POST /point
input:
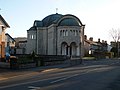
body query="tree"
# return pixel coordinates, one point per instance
(114, 50)
(115, 33)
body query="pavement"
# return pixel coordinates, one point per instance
(9, 73)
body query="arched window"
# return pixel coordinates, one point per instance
(70, 32)
(66, 32)
(61, 33)
(74, 32)
(32, 37)
(29, 36)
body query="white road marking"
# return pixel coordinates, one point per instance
(13, 85)
(47, 70)
(33, 88)
(64, 78)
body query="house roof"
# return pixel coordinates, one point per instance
(10, 37)
(90, 42)
(4, 22)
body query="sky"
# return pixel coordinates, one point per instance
(98, 16)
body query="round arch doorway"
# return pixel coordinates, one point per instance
(64, 48)
(73, 49)
(69, 50)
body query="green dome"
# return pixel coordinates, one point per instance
(69, 22)
(47, 21)
(60, 20)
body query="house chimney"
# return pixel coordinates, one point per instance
(106, 42)
(98, 39)
(103, 41)
(85, 37)
(91, 38)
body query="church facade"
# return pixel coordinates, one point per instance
(56, 34)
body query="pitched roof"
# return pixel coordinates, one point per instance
(90, 42)
(10, 37)
(4, 22)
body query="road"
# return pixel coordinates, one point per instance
(92, 75)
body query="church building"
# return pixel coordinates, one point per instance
(56, 34)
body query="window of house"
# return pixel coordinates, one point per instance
(12, 42)
(7, 44)
(70, 32)
(61, 33)
(32, 37)
(77, 32)
(74, 32)
(66, 32)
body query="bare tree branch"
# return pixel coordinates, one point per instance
(115, 34)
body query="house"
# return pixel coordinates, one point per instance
(95, 48)
(3, 26)
(9, 44)
(20, 45)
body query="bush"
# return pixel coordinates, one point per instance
(25, 59)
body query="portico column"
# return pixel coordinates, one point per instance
(78, 51)
(68, 50)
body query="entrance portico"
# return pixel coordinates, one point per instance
(71, 50)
